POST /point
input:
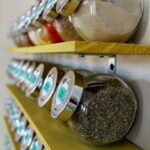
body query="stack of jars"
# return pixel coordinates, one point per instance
(100, 107)
(55, 21)
(20, 126)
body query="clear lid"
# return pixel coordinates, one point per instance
(48, 87)
(67, 7)
(50, 13)
(67, 97)
(36, 144)
(27, 138)
(36, 80)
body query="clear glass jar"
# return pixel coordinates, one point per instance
(99, 108)
(59, 25)
(49, 86)
(103, 20)
(28, 76)
(36, 144)
(22, 124)
(27, 138)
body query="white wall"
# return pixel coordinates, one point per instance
(134, 69)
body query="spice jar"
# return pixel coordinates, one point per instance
(49, 86)
(100, 108)
(22, 75)
(27, 138)
(18, 70)
(103, 20)
(36, 144)
(29, 72)
(36, 80)
(20, 129)
(59, 26)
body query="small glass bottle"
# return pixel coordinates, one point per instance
(101, 108)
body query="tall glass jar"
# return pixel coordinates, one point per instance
(100, 108)
(103, 20)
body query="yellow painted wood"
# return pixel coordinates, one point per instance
(54, 134)
(86, 47)
(16, 145)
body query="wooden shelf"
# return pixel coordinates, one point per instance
(86, 47)
(52, 133)
(16, 145)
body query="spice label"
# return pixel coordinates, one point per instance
(47, 87)
(34, 79)
(34, 146)
(27, 75)
(62, 94)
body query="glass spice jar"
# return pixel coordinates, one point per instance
(29, 72)
(100, 108)
(48, 88)
(36, 80)
(59, 25)
(22, 75)
(103, 20)
(27, 138)
(36, 144)
(22, 124)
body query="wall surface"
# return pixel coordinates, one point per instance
(134, 69)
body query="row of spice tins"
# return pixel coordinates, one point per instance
(55, 21)
(100, 108)
(23, 131)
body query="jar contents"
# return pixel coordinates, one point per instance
(65, 29)
(103, 20)
(101, 108)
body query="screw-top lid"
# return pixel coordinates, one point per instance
(20, 128)
(36, 144)
(48, 87)
(38, 20)
(67, 97)
(28, 75)
(22, 75)
(67, 7)
(36, 80)
(50, 13)
(27, 138)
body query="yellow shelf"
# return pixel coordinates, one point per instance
(16, 145)
(52, 133)
(87, 47)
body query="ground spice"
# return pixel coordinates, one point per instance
(105, 113)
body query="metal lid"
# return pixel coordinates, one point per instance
(67, 7)
(50, 13)
(27, 138)
(67, 97)
(48, 87)
(22, 75)
(20, 128)
(36, 80)
(36, 144)
(29, 17)
(18, 70)
(29, 72)
(38, 20)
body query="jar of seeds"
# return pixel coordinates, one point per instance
(103, 20)
(100, 108)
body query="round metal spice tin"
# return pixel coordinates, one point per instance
(36, 144)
